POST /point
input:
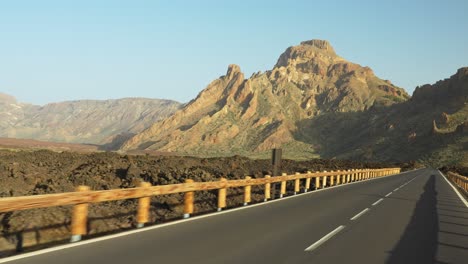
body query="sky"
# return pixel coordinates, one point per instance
(62, 50)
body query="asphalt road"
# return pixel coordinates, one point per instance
(414, 217)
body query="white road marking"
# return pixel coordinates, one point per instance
(127, 233)
(359, 214)
(377, 202)
(388, 194)
(396, 189)
(455, 189)
(404, 184)
(324, 239)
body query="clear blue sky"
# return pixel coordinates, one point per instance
(65, 50)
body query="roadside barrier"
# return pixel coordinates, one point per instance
(460, 180)
(83, 196)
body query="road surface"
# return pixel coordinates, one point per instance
(415, 217)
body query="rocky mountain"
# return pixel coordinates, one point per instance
(83, 121)
(431, 127)
(238, 115)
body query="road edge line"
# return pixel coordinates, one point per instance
(454, 189)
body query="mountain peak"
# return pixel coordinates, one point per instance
(233, 70)
(306, 51)
(318, 43)
(264, 111)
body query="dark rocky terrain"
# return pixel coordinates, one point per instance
(42, 172)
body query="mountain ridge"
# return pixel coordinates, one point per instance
(81, 121)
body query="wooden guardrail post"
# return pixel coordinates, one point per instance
(348, 176)
(79, 217)
(307, 183)
(338, 178)
(332, 179)
(283, 186)
(352, 175)
(143, 207)
(317, 182)
(222, 196)
(188, 201)
(297, 185)
(247, 190)
(324, 182)
(267, 189)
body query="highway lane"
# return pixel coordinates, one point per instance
(419, 218)
(423, 222)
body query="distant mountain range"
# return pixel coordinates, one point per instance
(313, 103)
(83, 121)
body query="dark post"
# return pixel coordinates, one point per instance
(276, 162)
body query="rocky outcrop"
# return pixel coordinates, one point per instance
(234, 115)
(452, 92)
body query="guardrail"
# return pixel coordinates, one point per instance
(460, 180)
(81, 198)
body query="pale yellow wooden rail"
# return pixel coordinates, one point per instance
(460, 180)
(83, 195)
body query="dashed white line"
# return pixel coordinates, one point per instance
(396, 189)
(359, 214)
(324, 239)
(388, 194)
(405, 183)
(378, 201)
